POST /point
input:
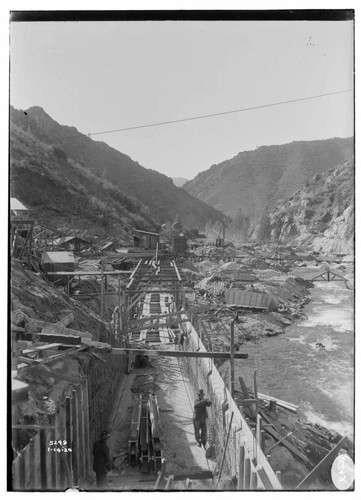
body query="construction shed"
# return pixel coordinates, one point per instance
(17, 208)
(179, 244)
(71, 243)
(53, 262)
(145, 239)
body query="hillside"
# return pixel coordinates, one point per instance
(320, 214)
(59, 169)
(253, 180)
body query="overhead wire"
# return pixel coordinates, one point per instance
(222, 113)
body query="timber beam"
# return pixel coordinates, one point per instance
(152, 353)
(49, 338)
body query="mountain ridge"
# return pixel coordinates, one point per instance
(252, 180)
(153, 190)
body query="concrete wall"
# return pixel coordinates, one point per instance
(204, 375)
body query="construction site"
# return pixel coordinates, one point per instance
(123, 340)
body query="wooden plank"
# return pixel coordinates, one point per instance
(231, 360)
(135, 301)
(288, 445)
(81, 432)
(252, 409)
(159, 478)
(32, 427)
(86, 428)
(49, 338)
(32, 482)
(28, 478)
(43, 460)
(75, 443)
(16, 473)
(37, 462)
(279, 442)
(253, 483)
(240, 479)
(152, 353)
(169, 483)
(53, 459)
(247, 474)
(69, 438)
(174, 315)
(308, 480)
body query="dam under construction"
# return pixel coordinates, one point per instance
(139, 381)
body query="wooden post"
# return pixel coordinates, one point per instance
(258, 429)
(263, 438)
(75, 442)
(22, 466)
(43, 455)
(247, 474)
(32, 484)
(273, 405)
(240, 482)
(28, 466)
(68, 433)
(53, 456)
(37, 461)
(101, 289)
(80, 395)
(60, 430)
(86, 429)
(231, 360)
(255, 391)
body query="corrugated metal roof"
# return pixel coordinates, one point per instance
(66, 239)
(57, 257)
(16, 205)
(248, 299)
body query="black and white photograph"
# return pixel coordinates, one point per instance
(181, 251)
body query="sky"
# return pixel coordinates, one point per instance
(100, 76)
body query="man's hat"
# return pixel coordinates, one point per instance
(104, 434)
(201, 392)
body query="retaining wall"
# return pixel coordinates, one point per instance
(204, 375)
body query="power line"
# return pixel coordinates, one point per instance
(201, 117)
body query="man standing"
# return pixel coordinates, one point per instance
(199, 418)
(101, 464)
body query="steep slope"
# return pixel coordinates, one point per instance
(156, 191)
(253, 180)
(321, 213)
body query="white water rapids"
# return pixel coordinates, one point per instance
(292, 368)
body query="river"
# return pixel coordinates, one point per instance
(292, 368)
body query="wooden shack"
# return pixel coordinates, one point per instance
(71, 243)
(53, 262)
(145, 239)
